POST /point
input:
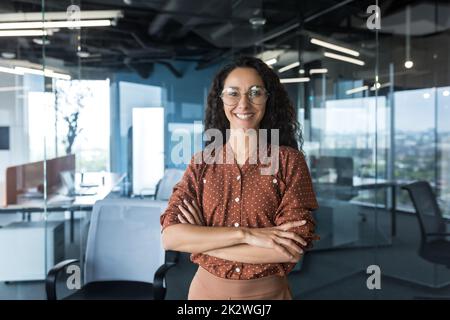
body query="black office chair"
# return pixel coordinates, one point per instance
(123, 253)
(434, 246)
(114, 290)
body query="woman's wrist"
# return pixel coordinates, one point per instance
(245, 234)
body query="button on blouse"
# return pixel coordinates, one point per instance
(240, 196)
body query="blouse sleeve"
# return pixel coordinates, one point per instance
(185, 189)
(298, 200)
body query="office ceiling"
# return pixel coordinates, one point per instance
(209, 31)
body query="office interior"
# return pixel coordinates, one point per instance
(97, 95)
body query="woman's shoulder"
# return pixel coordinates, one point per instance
(288, 153)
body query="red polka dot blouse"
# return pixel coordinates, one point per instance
(230, 195)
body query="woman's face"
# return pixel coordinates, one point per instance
(248, 85)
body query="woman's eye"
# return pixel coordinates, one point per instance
(255, 93)
(232, 93)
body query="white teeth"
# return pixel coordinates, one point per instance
(243, 116)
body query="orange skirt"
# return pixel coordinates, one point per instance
(206, 286)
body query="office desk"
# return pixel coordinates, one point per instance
(374, 184)
(359, 184)
(57, 203)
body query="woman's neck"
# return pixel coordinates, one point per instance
(243, 144)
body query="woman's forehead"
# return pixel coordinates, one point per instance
(243, 78)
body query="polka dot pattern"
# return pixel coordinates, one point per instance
(240, 196)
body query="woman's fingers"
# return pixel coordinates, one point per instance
(280, 248)
(194, 203)
(293, 236)
(182, 220)
(289, 225)
(187, 214)
(193, 212)
(289, 244)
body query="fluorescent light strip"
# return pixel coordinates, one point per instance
(344, 58)
(271, 61)
(317, 71)
(379, 86)
(334, 47)
(54, 24)
(10, 70)
(57, 75)
(23, 33)
(60, 15)
(289, 67)
(31, 71)
(47, 72)
(294, 80)
(356, 90)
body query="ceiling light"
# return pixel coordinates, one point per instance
(318, 71)
(334, 47)
(271, 61)
(257, 21)
(301, 71)
(356, 90)
(344, 58)
(57, 75)
(60, 15)
(83, 54)
(41, 41)
(47, 72)
(289, 67)
(446, 93)
(379, 86)
(22, 33)
(54, 24)
(8, 55)
(409, 64)
(10, 70)
(426, 95)
(294, 80)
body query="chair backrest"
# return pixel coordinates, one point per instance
(427, 209)
(165, 186)
(124, 240)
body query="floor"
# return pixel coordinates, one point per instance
(328, 273)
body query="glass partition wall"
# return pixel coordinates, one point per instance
(369, 80)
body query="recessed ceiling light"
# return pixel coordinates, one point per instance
(41, 41)
(8, 55)
(83, 54)
(446, 93)
(257, 21)
(271, 61)
(426, 95)
(409, 64)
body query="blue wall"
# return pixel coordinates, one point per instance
(183, 99)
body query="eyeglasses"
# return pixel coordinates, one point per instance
(256, 95)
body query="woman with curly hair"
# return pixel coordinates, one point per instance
(245, 229)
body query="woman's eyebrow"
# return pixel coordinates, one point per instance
(237, 88)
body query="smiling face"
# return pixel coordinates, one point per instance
(244, 114)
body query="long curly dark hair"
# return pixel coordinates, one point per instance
(279, 114)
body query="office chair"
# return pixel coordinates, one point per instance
(124, 254)
(434, 246)
(165, 186)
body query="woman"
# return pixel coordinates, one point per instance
(245, 230)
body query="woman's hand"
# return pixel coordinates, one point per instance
(191, 213)
(278, 238)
